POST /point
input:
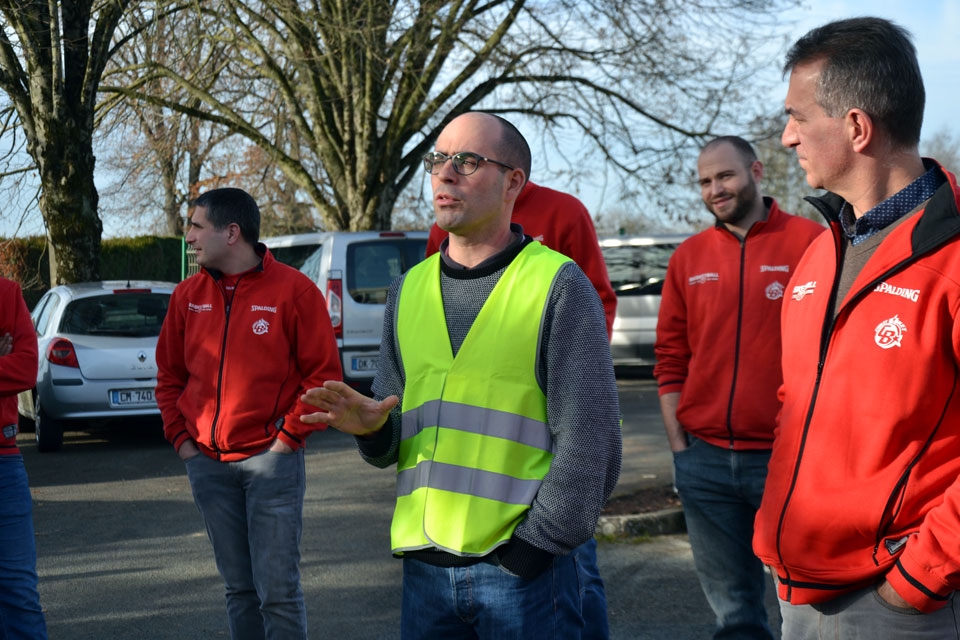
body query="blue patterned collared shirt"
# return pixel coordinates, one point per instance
(892, 209)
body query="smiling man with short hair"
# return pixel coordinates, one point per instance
(718, 369)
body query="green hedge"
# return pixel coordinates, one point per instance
(26, 261)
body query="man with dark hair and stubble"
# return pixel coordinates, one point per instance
(718, 370)
(861, 513)
(242, 340)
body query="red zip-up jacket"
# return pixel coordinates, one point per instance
(864, 477)
(231, 379)
(718, 331)
(561, 222)
(18, 369)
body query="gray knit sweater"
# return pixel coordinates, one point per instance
(576, 374)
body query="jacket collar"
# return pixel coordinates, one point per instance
(773, 219)
(939, 221)
(266, 258)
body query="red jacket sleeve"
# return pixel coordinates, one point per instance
(317, 357)
(172, 372)
(18, 369)
(672, 348)
(580, 243)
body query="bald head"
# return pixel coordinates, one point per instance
(508, 144)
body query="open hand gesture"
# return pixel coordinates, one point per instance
(346, 409)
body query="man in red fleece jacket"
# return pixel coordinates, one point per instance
(861, 513)
(241, 341)
(718, 369)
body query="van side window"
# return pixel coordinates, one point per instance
(373, 266)
(294, 256)
(311, 266)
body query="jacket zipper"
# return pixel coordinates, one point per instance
(824, 341)
(227, 305)
(737, 341)
(834, 225)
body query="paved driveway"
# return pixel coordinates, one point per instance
(123, 555)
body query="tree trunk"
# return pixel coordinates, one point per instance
(69, 206)
(173, 222)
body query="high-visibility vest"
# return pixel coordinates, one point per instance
(474, 444)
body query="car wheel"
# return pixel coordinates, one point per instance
(24, 423)
(49, 431)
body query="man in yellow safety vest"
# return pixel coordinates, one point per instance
(496, 399)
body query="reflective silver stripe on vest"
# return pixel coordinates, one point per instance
(473, 482)
(489, 422)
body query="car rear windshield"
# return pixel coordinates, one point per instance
(372, 266)
(638, 270)
(124, 314)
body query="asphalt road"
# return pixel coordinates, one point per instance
(123, 555)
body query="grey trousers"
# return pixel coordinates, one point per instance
(863, 615)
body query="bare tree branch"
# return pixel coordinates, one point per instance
(367, 85)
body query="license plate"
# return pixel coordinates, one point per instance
(128, 397)
(366, 364)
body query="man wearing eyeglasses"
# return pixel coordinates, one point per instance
(560, 221)
(496, 399)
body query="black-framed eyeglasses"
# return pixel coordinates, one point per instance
(464, 163)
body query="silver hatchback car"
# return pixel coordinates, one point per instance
(97, 343)
(637, 266)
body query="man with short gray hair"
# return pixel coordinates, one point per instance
(861, 513)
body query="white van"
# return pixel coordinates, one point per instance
(353, 269)
(637, 266)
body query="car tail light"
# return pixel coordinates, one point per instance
(61, 352)
(335, 305)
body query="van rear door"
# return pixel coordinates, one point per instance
(371, 265)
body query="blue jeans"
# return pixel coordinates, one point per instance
(20, 612)
(864, 614)
(720, 490)
(488, 602)
(595, 623)
(253, 512)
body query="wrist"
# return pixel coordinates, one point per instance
(523, 559)
(280, 446)
(891, 597)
